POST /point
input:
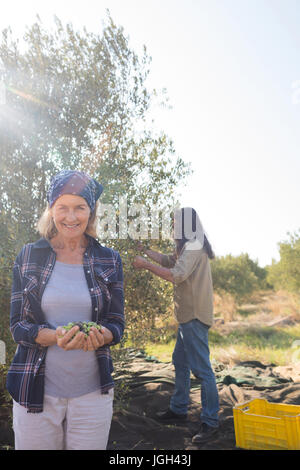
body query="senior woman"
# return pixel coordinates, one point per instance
(60, 380)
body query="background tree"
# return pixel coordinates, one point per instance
(79, 101)
(286, 273)
(238, 276)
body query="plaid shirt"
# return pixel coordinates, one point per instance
(31, 272)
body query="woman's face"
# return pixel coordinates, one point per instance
(71, 215)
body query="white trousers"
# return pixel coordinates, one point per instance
(81, 423)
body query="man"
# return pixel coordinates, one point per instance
(189, 270)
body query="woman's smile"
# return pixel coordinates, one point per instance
(70, 226)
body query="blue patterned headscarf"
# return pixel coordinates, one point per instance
(74, 182)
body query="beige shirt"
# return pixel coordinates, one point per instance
(193, 287)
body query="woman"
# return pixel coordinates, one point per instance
(60, 380)
(189, 270)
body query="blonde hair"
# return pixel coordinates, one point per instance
(47, 229)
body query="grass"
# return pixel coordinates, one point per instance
(163, 351)
(248, 338)
(265, 344)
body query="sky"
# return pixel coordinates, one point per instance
(231, 69)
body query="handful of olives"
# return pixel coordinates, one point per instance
(83, 326)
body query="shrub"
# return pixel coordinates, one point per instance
(285, 274)
(237, 275)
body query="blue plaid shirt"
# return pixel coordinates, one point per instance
(31, 272)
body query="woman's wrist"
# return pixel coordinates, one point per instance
(108, 336)
(46, 337)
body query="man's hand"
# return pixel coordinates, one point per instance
(140, 247)
(141, 263)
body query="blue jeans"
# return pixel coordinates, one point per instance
(191, 353)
